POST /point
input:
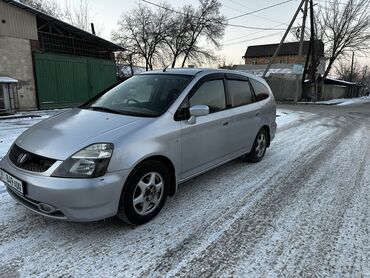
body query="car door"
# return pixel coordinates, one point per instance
(205, 143)
(245, 115)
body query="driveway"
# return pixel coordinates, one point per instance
(304, 210)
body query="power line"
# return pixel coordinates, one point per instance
(227, 24)
(262, 9)
(251, 34)
(253, 39)
(255, 15)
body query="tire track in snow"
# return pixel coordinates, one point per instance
(240, 238)
(183, 254)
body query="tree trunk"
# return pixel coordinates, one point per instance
(185, 58)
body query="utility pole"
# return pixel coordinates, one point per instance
(313, 50)
(300, 51)
(352, 64)
(303, 28)
(283, 39)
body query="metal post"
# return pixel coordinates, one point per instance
(283, 39)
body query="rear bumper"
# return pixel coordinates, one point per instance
(74, 199)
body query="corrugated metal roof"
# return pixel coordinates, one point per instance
(73, 29)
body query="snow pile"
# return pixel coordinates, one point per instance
(345, 101)
(285, 117)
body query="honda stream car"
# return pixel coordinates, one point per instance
(124, 151)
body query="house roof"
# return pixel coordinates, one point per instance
(69, 27)
(290, 48)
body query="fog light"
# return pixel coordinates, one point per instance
(45, 208)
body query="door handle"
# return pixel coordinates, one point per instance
(225, 123)
(257, 114)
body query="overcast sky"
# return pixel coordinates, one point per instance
(106, 14)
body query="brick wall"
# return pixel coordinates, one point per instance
(287, 59)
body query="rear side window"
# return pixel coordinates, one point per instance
(260, 89)
(211, 93)
(240, 92)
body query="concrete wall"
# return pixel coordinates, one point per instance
(333, 92)
(16, 62)
(285, 87)
(17, 23)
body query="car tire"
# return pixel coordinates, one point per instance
(259, 147)
(144, 193)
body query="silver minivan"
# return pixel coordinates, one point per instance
(124, 151)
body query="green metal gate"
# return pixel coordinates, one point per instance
(67, 81)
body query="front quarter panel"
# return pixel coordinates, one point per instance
(160, 137)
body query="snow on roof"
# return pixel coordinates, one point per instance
(7, 80)
(340, 81)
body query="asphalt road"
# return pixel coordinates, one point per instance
(302, 211)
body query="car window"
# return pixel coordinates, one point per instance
(211, 93)
(260, 89)
(142, 95)
(240, 92)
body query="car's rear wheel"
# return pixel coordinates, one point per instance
(144, 193)
(259, 146)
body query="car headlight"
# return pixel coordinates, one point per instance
(90, 162)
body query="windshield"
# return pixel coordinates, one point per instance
(142, 95)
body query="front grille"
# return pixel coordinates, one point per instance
(32, 162)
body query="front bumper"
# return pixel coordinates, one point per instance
(77, 200)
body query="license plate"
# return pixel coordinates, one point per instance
(11, 181)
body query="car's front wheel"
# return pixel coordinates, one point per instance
(144, 193)
(259, 146)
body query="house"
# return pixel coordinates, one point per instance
(56, 64)
(286, 71)
(288, 54)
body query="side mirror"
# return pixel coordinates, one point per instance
(262, 97)
(197, 111)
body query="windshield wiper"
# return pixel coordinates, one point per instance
(104, 109)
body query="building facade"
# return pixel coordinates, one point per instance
(56, 64)
(288, 54)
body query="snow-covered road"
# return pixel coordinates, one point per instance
(302, 211)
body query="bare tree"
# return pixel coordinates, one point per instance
(208, 23)
(178, 33)
(164, 36)
(343, 27)
(142, 31)
(78, 13)
(49, 7)
(358, 73)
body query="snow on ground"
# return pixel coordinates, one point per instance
(285, 117)
(302, 211)
(341, 101)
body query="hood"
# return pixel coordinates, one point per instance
(62, 135)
